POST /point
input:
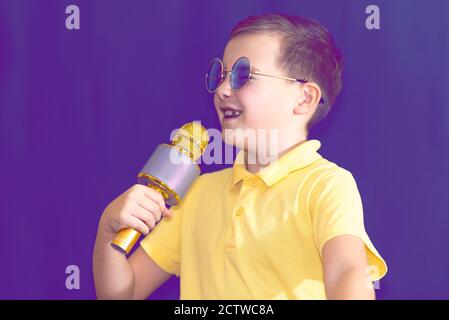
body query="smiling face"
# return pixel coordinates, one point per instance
(264, 102)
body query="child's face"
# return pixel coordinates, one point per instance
(266, 102)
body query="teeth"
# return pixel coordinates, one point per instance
(232, 113)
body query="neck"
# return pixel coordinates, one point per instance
(256, 165)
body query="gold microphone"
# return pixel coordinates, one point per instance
(171, 170)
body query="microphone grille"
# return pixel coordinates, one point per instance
(191, 139)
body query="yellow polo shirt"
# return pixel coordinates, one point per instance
(239, 235)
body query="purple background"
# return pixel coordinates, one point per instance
(82, 110)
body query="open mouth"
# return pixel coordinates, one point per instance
(229, 113)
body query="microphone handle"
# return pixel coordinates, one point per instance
(126, 238)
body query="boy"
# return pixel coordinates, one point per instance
(291, 228)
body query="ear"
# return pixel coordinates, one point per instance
(308, 98)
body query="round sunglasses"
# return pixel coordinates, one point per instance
(240, 73)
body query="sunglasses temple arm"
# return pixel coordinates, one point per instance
(286, 78)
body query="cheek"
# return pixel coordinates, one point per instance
(263, 109)
(216, 102)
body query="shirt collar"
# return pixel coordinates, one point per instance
(299, 157)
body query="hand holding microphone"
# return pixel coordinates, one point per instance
(164, 179)
(139, 207)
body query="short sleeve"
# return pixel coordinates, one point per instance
(163, 243)
(336, 209)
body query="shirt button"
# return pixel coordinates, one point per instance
(239, 211)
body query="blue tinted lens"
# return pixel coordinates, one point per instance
(240, 73)
(214, 75)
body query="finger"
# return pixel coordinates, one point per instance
(167, 213)
(151, 206)
(144, 215)
(136, 224)
(155, 196)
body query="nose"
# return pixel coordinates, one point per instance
(225, 90)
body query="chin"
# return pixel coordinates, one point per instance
(237, 138)
(227, 137)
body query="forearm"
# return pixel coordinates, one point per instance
(352, 284)
(113, 275)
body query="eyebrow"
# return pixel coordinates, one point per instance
(253, 68)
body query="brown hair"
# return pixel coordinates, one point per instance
(308, 52)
